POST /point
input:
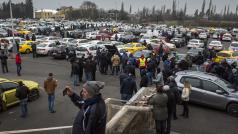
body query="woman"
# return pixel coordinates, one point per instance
(185, 98)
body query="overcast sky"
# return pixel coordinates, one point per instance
(136, 4)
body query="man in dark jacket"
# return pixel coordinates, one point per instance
(199, 60)
(74, 73)
(88, 68)
(144, 79)
(22, 94)
(94, 69)
(3, 58)
(160, 111)
(128, 87)
(34, 50)
(91, 119)
(174, 88)
(81, 65)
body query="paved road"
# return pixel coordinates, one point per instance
(202, 120)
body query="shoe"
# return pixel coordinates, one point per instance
(53, 111)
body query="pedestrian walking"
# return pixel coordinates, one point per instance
(34, 54)
(74, 73)
(160, 112)
(144, 79)
(128, 87)
(92, 116)
(50, 85)
(142, 62)
(94, 68)
(185, 98)
(81, 65)
(18, 63)
(159, 78)
(88, 68)
(22, 93)
(174, 88)
(3, 58)
(115, 64)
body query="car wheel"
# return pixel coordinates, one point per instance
(232, 109)
(27, 51)
(34, 94)
(3, 106)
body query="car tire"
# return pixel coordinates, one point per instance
(3, 106)
(27, 51)
(232, 109)
(34, 94)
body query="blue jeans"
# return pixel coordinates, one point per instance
(75, 79)
(126, 97)
(18, 69)
(51, 101)
(23, 104)
(150, 76)
(88, 76)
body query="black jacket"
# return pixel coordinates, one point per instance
(3, 59)
(75, 68)
(22, 92)
(128, 86)
(91, 119)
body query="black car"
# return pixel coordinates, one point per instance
(179, 42)
(63, 52)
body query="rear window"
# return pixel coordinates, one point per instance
(223, 54)
(234, 44)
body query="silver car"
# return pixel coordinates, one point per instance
(209, 90)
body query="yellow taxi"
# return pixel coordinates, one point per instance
(228, 55)
(133, 47)
(24, 31)
(25, 47)
(8, 92)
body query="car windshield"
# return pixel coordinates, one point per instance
(128, 45)
(223, 54)
(193, 41)
(225, 83)
(234, 44)
(215, 43)
(41, 45)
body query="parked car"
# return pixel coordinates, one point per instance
(91, 35)
(227, 37)
(45, 48)
(3, 33)
(8, 92)
(133, 47)
(86, 50)
(26, 47)
(195, 43)
(202, 36)
(229, 56)
(59, 52)
(193, 52)
(234, 46)
(207, 89)
(179, 42)
(216, 45)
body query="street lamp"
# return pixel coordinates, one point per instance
(14, 49)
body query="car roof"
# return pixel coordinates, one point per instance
(198, 74)
(225, 51)
(3, 80)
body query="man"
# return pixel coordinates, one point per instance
(18, 63)
(75, 72)
(3, 58)
(22, 93)
(144, 79)
(33, 37)
(81, 65)
(159, 78)
(50, 85)
(115, 64)
(91, 119)
(34, 50)
(160, 112)
(88, 68)
(142, 63)
(199, 61)
(128, 87)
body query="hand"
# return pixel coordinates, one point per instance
(69, 91)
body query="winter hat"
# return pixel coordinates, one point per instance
(93, 87)
(165, 87)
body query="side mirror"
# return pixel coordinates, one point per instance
(219, 92)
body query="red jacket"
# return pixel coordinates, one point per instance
(18, 59)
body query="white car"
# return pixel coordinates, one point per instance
(66, 40)
(86, 50)
(234, 46)
(78, 42)
(227, 37)
(45, 48)
(19, 40)
(202, 35)
(51, 38)
(91, 35)
(195, 43)
(216, 45)
(215, 35)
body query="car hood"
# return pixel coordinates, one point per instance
(29, 84)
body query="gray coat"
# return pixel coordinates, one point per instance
(159, 102)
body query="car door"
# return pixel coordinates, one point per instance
(196, 92)
(210, 96)
(9, 91)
